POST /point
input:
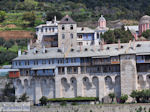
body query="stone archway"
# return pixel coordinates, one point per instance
(95, 81)
(117, 86)
(44, 89)
(148, 80)
(19, 88)
(87, 91)
(73, 83)
(51, 88)
(141, 83)
(26, 87)
(109, 86)
(32, 89)
(65, 87)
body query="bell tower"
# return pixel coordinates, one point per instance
(67, 32)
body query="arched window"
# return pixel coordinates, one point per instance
(63, 36)
(63, 27)
(71, 27)
(71, 35)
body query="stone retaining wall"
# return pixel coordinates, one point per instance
(95, 108)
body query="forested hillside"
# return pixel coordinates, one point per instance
(83, 9)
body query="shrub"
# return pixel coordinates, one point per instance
(74, 99)
(123, 98)
(63, 103)
(23, 98)
(112, 96)
(43, 100)
(141, 96)
(74, 103)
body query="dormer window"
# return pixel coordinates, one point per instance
(66, 19)
(138, 45)
(63, 27)
(71, 27)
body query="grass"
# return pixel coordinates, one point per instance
(16, 19)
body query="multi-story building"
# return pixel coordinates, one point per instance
(59, 33)
(87, 71)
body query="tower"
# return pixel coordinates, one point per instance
(67, 32)
(102, 22)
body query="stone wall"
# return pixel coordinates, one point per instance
(94, 108)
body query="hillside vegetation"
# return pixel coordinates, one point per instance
(80, 10)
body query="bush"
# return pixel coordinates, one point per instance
(141, 96)
(2, 41)
(23, 98)
(73, 99)
(112, 96)
(63, 103)
(74, 103)
(43, 100)
(2, 16)
(123, 98)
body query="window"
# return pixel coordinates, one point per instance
(53, 29)
(52, 61)
(49, 29)
(80, 36)
(26, 62)
(49, 61)
(63, 36)
(43, 71)
(80, 43)
(19, 63)
(41, 30)
(45, 29)
(63, 27)
(36, 62)
(71, 27)
(43, 61)
(71, 35)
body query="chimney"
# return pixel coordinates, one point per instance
(102, 44)
(44, 50)
(19, 52)
(134, 44)
(34, 50)
(55, 19)
(28, 46)
(119, 44)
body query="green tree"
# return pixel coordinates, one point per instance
(8, 93)
(2, 16)
(136, 95)
(29, 18)
(112, 96)
(2, 41)
(146, 34)
(50, 15)
(8, 44)
(43, 100)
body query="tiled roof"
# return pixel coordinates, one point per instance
(89, 51)
(67, 20)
